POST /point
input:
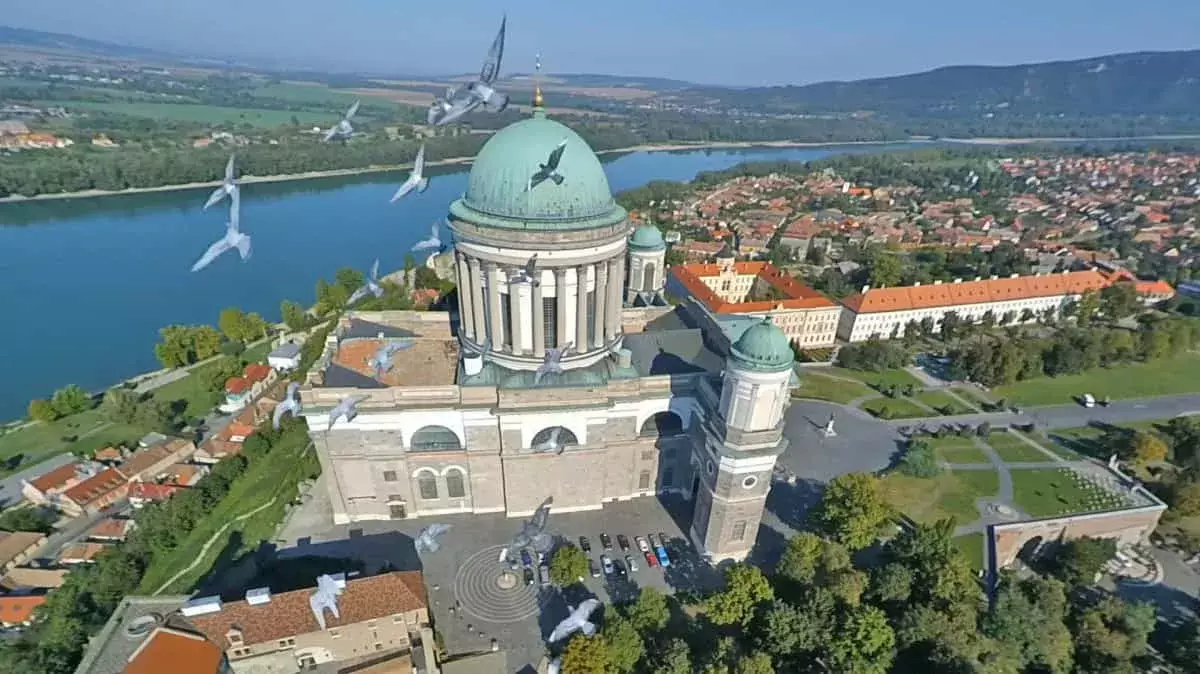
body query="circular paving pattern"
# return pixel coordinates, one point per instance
(487, 591)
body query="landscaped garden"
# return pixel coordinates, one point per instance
(1047, 492)
(879, 379)
(943, 402)
(894, 408)
(815, 385)
(957, 449)
(1013, 449)
(949, 494)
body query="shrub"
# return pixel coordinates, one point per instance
(919, 460)
(42, 410)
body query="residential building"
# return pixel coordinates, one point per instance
(142, 493)
(111, 530)
(176, 651)
(17, 610)
(240, 391)
(268, 633)
(45, 488)
(130, 626)
(17, 546)
(285, 357)
(80, 553)
(807, 318)
(94, 494)
(152, 463)
(24, 579)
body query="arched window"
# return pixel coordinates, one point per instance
(553, 439)
(661, 425)
(648, 277)
(427, 486)
(454, 484)
(434, 438)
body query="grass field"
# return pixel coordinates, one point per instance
(877, 379)
(203, 114)
(305, 93)
(971, 546)
(1180, 374)
(895, 408)
(1085, 440)
(193, 390)
(943, 403)
(955, 449)
(814, 385)
(1060, 491)
(951, 494)
(1013, 449)
(972, 395)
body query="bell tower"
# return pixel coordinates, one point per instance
(739, 443)
(647, 262)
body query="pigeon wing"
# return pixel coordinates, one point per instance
(331, 133)
(491, 67)
(277, 415)
(403, 190)
(357, 295)
(212, 253)
(216, 196)
(353, 109)
(243, 246)
(375, 270)
(229, 170)
(419, 162)
(556, 155)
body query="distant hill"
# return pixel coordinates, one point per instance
(1165, 83)
(40, 41)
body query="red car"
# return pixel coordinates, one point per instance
(651, 560)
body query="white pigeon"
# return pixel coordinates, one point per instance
(343, 129)
(347, 408)
(528, 274)
(427, 540)
(232, 239)
(552, 442)
(370, 286)
(290, 403)
(416, 178)
(227, 187)
(576, 621)
(434, 240)
(551, 362)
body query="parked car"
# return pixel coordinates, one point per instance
(528, 576)
(606, 562)
(618, 568)
(663, 559)
(1087, 400)
(605, 541)
(631, 563)
(544, 573)
(593, 569)
(642, 544)
(526, 559)
(585, 544)
(651, 560)
(623, 541)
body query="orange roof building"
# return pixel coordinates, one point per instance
(807, 317)
(18, 610)
(94, 493)
(176, 651)
(884, 312)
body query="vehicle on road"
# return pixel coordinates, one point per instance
(642, 544)
(528, 576)
(663, 559)
(623, 542)
(618, 568)
(585, 544)
(651, 560)
(607, 563)
(631, 563)
(605, 541)
(1087, 400)
(526, 559)
(593, 569)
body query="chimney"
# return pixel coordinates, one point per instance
(201, 606)
(865, 289)
(958, 280)
(916, 284)
(1013, 275)
(258, 596)
(994, 277)
(937, 283)
(978, 278)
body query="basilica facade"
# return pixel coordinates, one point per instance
(463, 424)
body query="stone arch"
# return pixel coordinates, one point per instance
(648, 269)
(426, 484)
(456, 482)
(565, 438)
(434, 438)
(662, 424)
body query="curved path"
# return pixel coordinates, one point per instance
(477, 585)
(209, 543)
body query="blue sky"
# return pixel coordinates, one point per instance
(747, 42)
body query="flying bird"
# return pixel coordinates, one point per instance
(533, 532)
(227, 187)
(347, 408)
(232, 239)
(370, 286)
(434, 240)
(416, 178)
(459, 101)
(576, 621)
(290, 403)
(551, 362)
(553, 442)
(427, 540)
(343, 130)
(549, 170)
(527, 275)
(381, 362)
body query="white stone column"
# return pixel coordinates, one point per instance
(466, 315)
(601, 298)
(581, 329)
(516, 310)
(616, 271)
(560, 297)
(497, 322)
(475, 292)
(539, 318)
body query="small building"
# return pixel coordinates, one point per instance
(285, 357)
(150, 464)
(17, 611)
(80, 553)
(141, 493)
(240, 391)
(176, 651)
(111, 530)
(95, 493)
(24, 579)
(45, 488)
(16, 547)
(110, 455)
(185, 474)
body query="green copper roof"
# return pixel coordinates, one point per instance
(498, 193)
(763, 347)
(647, 237)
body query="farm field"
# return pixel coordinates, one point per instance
(204, 114)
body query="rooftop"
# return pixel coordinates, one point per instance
(428, 362)
(96, 487)
(143, 460)
(56, 478)
(795, 295)
(175, 651)
(80, 552)
(127, 629)
(13, 543)
(288, 350)
(25, 578)
(876, 300)
(17, 610)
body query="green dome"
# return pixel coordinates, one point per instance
(647, 237)
(763, 347)
(498, 193)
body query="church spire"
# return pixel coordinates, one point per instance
(538, 103)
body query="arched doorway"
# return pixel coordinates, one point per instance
(433, 439)
(648, 277)
(662, 425)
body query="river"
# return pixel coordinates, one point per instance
(88, 282)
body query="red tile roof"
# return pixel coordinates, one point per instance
(878, 300)
(148, 491)
(289, 614)
(175, 651)
(113, 529)
(236, 386)
(256, 372)
(798, 295)
(96, 487)
(56, 478)
(19, 609)
(143, 460)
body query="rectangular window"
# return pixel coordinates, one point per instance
(398, 619)
(550, 322)
(506, 320)
(739, 531)
(389, 476)
(648, 455)
(644, 480)
(371, 624)
(668, 477)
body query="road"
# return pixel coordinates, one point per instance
(1074, 415)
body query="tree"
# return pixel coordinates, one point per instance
(745, 588)
(120, 405)
(154, 415)
(919, 460)
(649, 613)
(673, 657)
(349, 279)
(27, 519)
(1145, 448)
(1028, 617)
(426, 278)
(754, 663)
(70, 400)
(1087, 307)
(884, 269)
(586, 655)
(625, 646)
(294, 315)
(1110, 634)
(1119, 300)
(42, 410)
(852, 511)
(568, 565)
(1078, 561)
(182, 345)
(1185, 498)
(232, 324)
(864, 643)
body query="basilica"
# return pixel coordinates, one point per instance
(647, 402)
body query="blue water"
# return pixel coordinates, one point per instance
(85, 284)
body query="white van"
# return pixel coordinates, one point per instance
(1087, 400)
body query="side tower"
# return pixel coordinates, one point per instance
(737, 445)
(647, 262)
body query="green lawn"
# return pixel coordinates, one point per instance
(950, 494)
(1046, 492)
(897, 377)
(943, 403)
(1013, 449)
(973, 396)
(305, 93)
(1072, 443)
(204, 114)
(972, 547)
(1180, 374)
(955, 449)
(22, 448)
(814, 385)
(192, 391)
(895, 408)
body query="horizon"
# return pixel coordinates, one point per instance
(669, 42)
